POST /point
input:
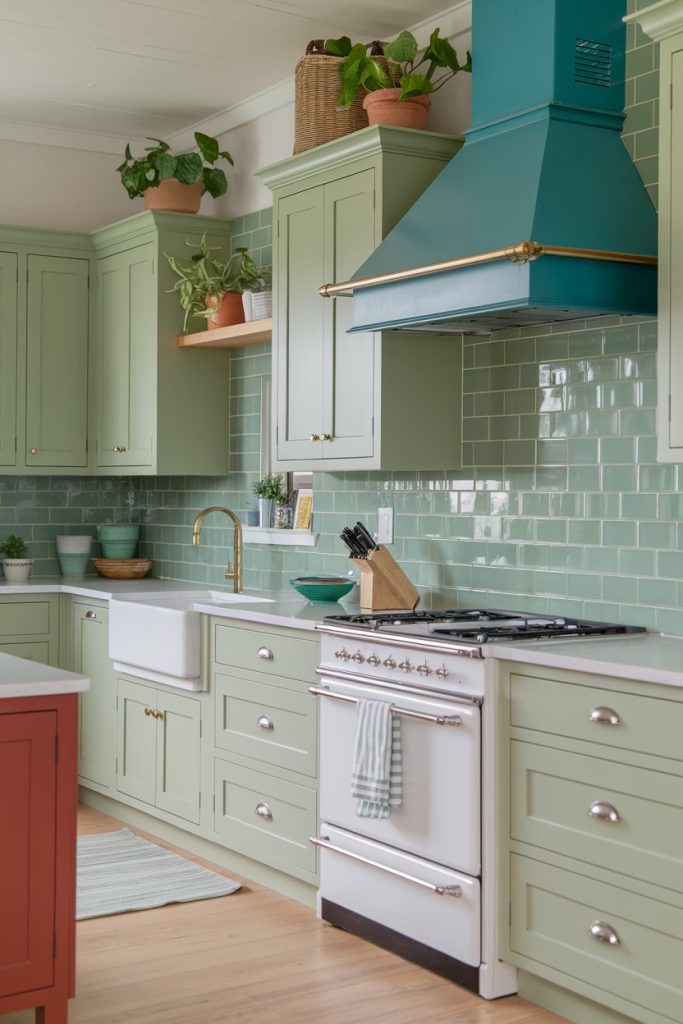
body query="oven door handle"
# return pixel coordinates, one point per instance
(454, 720)
(439, 890)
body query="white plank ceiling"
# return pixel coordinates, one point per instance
(137, 68)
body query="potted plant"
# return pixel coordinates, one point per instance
(258, 300)
(397, 85)
(16, 565)
(177, 183)
(211, 287)
(269, 490)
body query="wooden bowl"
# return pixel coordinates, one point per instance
(123, 568)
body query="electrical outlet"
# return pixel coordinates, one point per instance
(385, 525)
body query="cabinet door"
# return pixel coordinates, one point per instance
(8, 358)
(670, 357)
(27, 851)
(57, 361)
(301, 316)
(97, 706)
(177, 771)
(125, 364)
(349, 359)
(136, 741)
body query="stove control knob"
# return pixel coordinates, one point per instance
(442, 672)
(405, 666)
(373, 660)
(358, 658)
(389, 663)
(424, 670)
(343, 653)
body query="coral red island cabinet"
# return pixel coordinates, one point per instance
(38, 799)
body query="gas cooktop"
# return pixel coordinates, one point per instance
(477, 626)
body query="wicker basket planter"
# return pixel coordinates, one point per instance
(316, 90)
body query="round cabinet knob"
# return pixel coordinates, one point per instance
(373, 660)
(265, 653)
(604, 716)
(358, 658)
(602, 932)
(264, 722)
(119, 448)
(442, 672)
(33, 451)
(389, 663)
(90, 614)
(264, 811)
(405, 666)
(424, 670)
(604, 811)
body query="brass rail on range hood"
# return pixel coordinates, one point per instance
(524, 252)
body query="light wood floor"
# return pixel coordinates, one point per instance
(258, 958)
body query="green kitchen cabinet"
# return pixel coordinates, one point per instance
(265, 758)
(354, 401)
(591, 842)
(158, 748)
(663, 22)
(97, 706)
(29, 626)
(44, 324)
(157, 408)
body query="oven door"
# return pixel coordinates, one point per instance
(439, 818)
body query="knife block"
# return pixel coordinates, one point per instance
(383, 584)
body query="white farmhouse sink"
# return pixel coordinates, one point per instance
(157, 637)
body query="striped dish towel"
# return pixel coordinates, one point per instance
(377, 774)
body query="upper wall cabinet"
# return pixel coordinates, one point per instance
(354, 401)
(157, 408)
(663, 22)
(44, 328)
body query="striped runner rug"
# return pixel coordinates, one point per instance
(121, 871)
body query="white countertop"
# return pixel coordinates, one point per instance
(643, 657)
(22, 678)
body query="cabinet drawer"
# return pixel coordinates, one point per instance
(648, 725)
(25, 618)
(273, 653)
(267, 722)
(553, 792)
(31, 651)
(552, 914)
(267, 818)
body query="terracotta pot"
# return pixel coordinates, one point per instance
(174, 196)
(227, 310)
(382, 107)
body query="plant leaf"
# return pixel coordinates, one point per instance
(207, 146)
(350, 72)
(226, 156)
(403, 49)
(166, 165)
(415, 85)
(189, 168)
(338, 47)
(441, 53)
(215, 182)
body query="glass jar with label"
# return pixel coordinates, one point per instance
(282, 519)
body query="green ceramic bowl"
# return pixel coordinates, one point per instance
(322, 588)
(118, 531)
(119, 548)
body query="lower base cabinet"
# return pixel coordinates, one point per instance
(38, 855)
(29, 627)
(97, 706)
(592, 815)
(158, 748)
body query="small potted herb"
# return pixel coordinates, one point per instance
(210, 287)
(177, 183)
(17, 567)
(269, 490)
(396, 77)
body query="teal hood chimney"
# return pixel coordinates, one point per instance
(541, 216)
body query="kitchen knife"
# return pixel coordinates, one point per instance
(367, 536)
(349, 538)
(360, 541)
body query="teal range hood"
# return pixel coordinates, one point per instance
(541, 216)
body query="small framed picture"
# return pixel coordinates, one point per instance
(303, 512)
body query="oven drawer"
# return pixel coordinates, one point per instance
(553, 913)
(616, 816)
(265, 817)
(449, 923)
(268, 722)
(439, 818)
(615, 718)
(273, 653)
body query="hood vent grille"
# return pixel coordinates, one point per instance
(593, 63)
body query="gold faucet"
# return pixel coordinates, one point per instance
(234, 569)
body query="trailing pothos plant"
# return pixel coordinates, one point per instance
(205, 274)
(368, 67)
(159, 164)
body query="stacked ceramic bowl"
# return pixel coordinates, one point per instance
(73, 553)
(118, 540)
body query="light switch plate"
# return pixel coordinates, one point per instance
(385, 526)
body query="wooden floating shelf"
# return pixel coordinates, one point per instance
(256, 332)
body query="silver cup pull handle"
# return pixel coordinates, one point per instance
(604, 811)
(264, 722)
(602, 932)
(264, 811)
(604, 716)
(265, 653)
